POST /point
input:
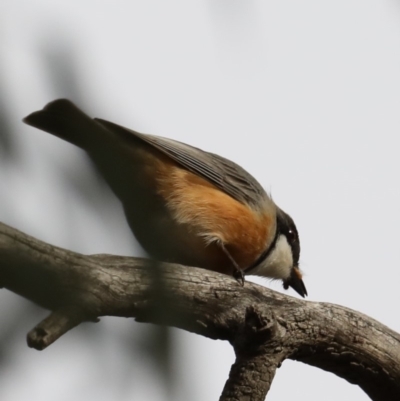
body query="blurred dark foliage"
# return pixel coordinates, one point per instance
(6, 134)
(12, 326)
(61, 68)
(60, 62)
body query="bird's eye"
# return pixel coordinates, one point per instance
(291, 235)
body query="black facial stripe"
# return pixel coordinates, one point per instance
(285, 226)
(289, 230)
(266, 252)
(295, 245)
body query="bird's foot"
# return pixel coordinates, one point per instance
(239, 276)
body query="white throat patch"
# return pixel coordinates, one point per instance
(279, 263)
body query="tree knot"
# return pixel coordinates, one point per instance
(260, 323)
(258, 328)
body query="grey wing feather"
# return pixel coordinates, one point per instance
(223, 173)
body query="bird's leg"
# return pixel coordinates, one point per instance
(238, 273)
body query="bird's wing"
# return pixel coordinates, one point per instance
(223, 173)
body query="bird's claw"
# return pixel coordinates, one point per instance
(239, 276)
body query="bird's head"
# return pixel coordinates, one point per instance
(281, 259)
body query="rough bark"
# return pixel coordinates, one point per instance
(263, 326)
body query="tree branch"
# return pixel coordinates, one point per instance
(263, 326)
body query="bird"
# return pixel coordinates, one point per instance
(184, 205)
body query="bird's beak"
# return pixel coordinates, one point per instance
(296, 282)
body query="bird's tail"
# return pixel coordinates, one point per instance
(63, 119)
